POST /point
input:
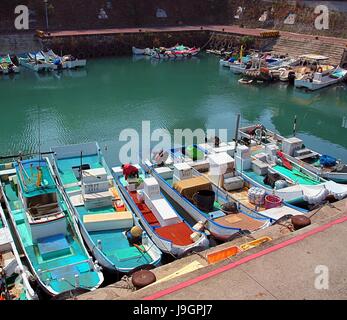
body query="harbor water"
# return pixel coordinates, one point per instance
(112, 94)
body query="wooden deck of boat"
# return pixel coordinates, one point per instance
(242, 196)
(240, 221)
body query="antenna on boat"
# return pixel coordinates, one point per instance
(39, 132)
(294, 126)
(238, 117)
(81, 160)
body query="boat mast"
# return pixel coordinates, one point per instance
(294, 126)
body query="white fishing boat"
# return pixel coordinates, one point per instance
(204, 201)
(170, 232)
(65, 61)
(324, 166)
(104, 217)
(261, 166)
(46, 228)
(317, 80)
(142, 52)
(35, 62)
(11, 266)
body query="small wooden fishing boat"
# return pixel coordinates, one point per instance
(46, 229)
(14, 282)
(104, 217)
(171, 233)
(205, 202)
(295, 150)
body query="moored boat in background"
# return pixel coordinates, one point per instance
(7, 65)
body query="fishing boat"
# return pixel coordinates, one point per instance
(318, 80)
(220, 170)
(311, 71)
(104, 217)
(325, 166)
(258, 63)
(46, 229)
(8, 66)
(64, 61)
(245, 81)
(264, 164)
(205, 202)
(142, 52)
(14, 281)
(35, 62)
(170, 232)
(177, 52)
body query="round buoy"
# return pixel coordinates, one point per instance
(143, 278)
(136, 231)
(300, 221)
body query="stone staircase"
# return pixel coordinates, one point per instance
(296, 46)
(18, 43)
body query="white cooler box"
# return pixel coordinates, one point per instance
(97, 200)
(108, 221)
(164, 172)
(95, 187)
(259, 167)
(164, 213)
(232, 183)
(94, 175)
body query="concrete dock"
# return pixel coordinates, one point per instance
(306, 264)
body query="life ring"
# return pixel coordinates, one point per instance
(320, 70)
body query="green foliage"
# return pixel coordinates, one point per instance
(247, 41)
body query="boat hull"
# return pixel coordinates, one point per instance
(163, 244)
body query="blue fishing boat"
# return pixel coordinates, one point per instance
(104, 217)
(45, 227)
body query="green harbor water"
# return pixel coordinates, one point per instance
(109, 95)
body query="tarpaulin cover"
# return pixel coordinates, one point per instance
(188, 187)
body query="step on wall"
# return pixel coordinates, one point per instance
(300, 46)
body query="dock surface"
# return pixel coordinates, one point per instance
(288, 267)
